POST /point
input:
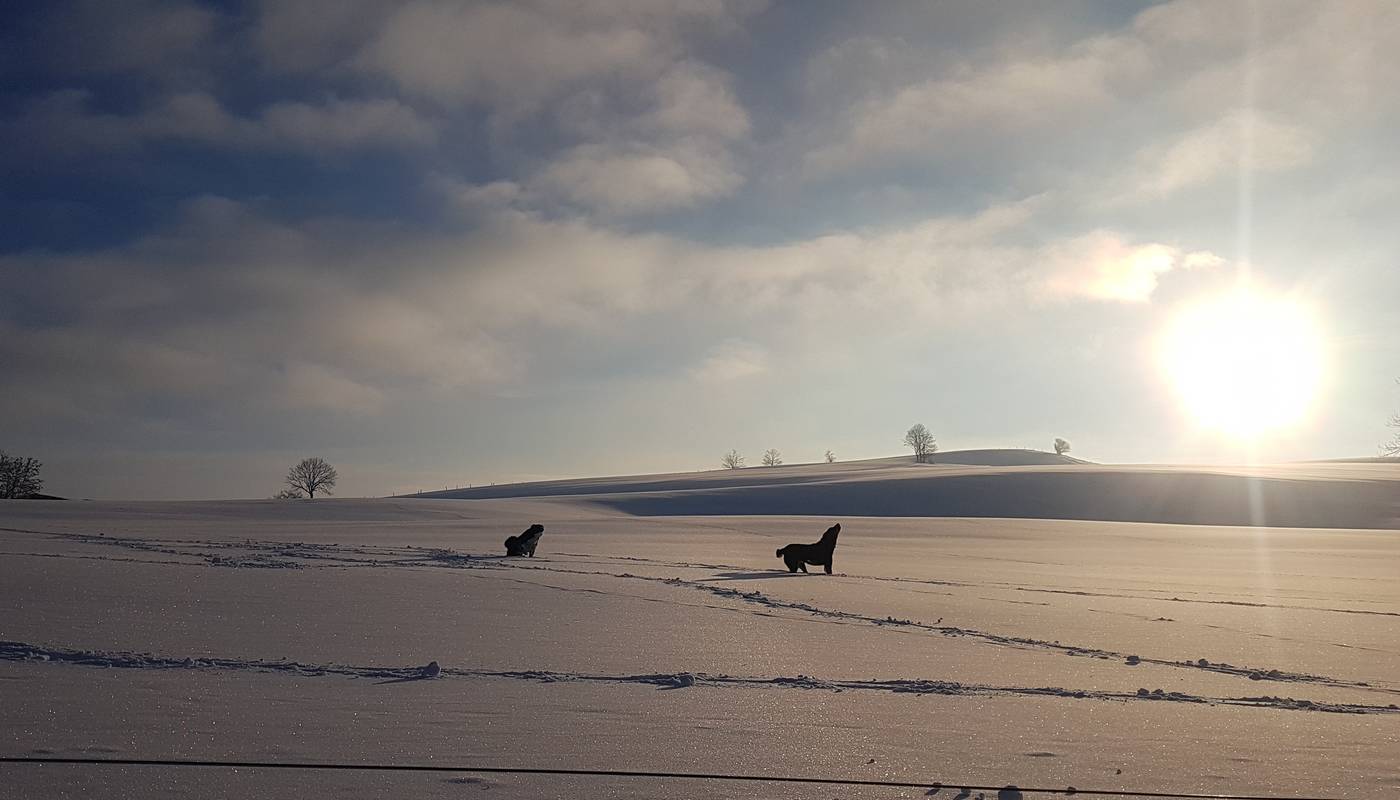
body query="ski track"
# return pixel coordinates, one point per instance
(1019, 588)
(254, 554)
(34, 654)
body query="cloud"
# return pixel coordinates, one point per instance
(515, 57)
(674, 154)
(641, 125)
(622, 181)
(343, 125)
(232, 313)
(1241, 140)
(694, 100)
(973, 101)
(315, 387)
(1282, 58)
(729, 361)
(1190, 69)
(1102, 266)
(314, 36)
(163, 41)
(63, 123)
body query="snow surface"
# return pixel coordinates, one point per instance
(1039, 652)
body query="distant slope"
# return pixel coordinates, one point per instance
(1003, 458)
(1180, 496)
(786, 474)
(1332, 495)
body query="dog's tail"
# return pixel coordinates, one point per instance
(780, 552)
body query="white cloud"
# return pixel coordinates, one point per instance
(1325, 62)
(240, 315)
(694, 100)
(643, 125)
(1241, 140)
(1194, 67)
(624, 181)
(729, 361)
(972, 102)
(1103, 266)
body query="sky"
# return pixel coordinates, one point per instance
(452, 243)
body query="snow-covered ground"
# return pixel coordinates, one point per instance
(980, 650)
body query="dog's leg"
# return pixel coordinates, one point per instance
(828, 567)
(793, 563)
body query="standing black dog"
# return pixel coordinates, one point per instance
(798, 556)
(525, 543)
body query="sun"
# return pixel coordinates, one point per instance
(1246, 362)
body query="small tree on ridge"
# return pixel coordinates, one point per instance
(922, 441)
(732, 460)
(311, 475)
(1061, 447)
(771, 457)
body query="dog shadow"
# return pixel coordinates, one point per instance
(753, 576)
(406, 679)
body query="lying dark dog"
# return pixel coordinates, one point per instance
(525, 543)
(798, 556)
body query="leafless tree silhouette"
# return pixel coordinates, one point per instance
(922, 441)
(312, 475)
(19, 476)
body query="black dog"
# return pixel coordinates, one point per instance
(525, 543)
(798, 556)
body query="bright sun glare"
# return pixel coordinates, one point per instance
(1245, 362)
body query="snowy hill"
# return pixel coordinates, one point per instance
(1023, 484)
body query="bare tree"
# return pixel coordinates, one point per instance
(922, 441)
(830, 457)
(1391, 449)
(311, 475)
(771, 457)
(1061, 447)
(732, 460)
(19, 477)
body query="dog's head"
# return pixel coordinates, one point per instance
(832, 533)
